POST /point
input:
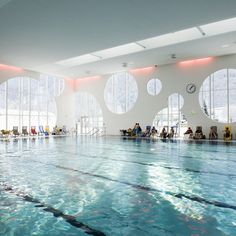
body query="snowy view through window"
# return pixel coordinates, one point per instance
(217, 96)
(25, 101)
(121, 92)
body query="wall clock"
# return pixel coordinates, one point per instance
(191, 88)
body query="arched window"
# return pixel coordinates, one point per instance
(217, 96)
(172, 116)
(154, 86)
(121, 93)
(27, 102)
(88, 114)
(55, 84)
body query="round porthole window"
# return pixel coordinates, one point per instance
(121, 93)
(154, 86)
(217, 96)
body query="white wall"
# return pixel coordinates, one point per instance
(174, 78)
(66, 106)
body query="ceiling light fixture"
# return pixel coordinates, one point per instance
(124, 64)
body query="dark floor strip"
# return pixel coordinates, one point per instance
(172, 168)
(56, 213)
(174, 150)
(146, 188)
(211, 159)
(202, 200)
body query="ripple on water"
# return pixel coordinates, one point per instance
(3, 228)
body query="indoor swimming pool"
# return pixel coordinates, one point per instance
(117, 187)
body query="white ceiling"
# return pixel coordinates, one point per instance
(35, 35)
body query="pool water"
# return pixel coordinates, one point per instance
(115, 186)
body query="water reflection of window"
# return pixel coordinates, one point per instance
(27, 102)
(172, 116)
(121, 92)
(217, 96)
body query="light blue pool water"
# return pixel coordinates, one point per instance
(114, 186)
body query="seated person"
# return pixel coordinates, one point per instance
(129, 132)
(137, 130)
(227, 134)
(5, 132)
(213, 133)
(54, 131)
(188, 133)
(153, 132)
(199, 133)
(163, 133)
(47, 131)
(24, 130)
(171, 133)
(64, 130)
(147, 132)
